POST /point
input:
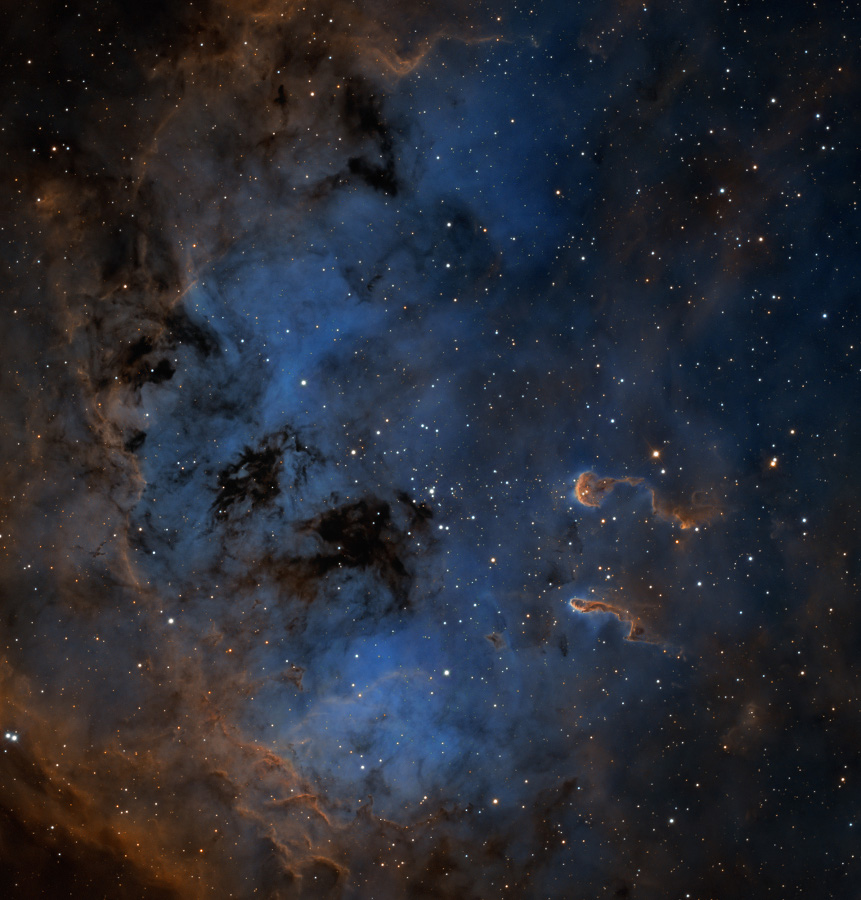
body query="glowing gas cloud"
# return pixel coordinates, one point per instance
(312, 312)
(591, 490)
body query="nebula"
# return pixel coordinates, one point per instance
(699, 510)
(636, 632)
(313, 314)
(591, 490)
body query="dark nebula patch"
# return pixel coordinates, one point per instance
(379, 176)
(137, 366)
(356, 529)
(421, 512)
(363, 110)
(364, 118)
(254, 480)
(496, 640)
(362, 535)
(135, 441)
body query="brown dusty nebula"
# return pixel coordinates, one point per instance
(591, 490)
(636, 633)
(299, 348)
(701, 509)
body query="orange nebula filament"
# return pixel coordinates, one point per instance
(591, 490)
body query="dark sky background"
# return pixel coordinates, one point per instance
(430, 449)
